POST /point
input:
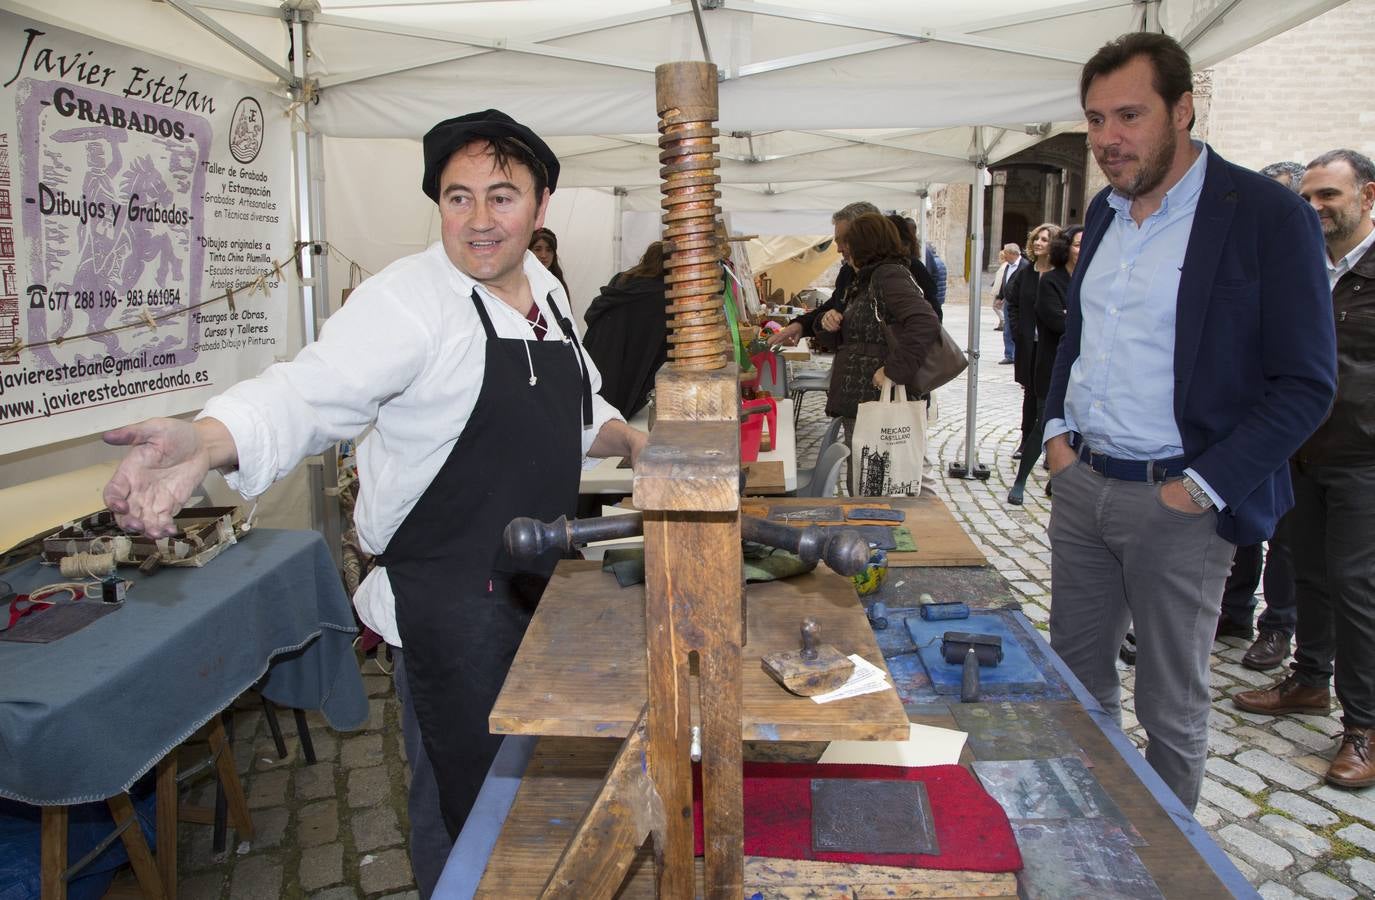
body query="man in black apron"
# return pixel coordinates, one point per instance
(498, 376)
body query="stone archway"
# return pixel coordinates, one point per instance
(1043, 183)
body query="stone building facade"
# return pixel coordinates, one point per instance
(1300, 93)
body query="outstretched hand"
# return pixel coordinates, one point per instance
(786, 336)
(166, 462)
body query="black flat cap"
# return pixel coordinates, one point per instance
(442, 140)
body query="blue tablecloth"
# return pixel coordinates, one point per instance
(83, 717)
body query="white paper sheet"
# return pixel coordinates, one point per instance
(926, 745)
(867, 678)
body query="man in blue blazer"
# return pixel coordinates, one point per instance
(1198, 354)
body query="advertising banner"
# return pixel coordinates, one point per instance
(145, 234)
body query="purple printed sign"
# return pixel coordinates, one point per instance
(135, 193)
(114, 200)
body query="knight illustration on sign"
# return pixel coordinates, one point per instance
(246, 131)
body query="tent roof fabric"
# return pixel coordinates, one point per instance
(891, 93)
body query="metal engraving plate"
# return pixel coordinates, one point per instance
(1080, 858)
(1061, 788)
(874, 514)
(806, 515)
(860, 816)
(1013, 730)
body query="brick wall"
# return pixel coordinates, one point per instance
(1300, 93)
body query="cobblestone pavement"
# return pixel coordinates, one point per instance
(335, 830)
(332, 830)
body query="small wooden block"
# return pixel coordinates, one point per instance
(809, 677)
(764, 476)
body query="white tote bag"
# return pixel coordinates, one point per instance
(888, 448)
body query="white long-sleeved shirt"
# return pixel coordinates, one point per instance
(405, 354)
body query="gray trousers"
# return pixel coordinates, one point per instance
(1120, 556)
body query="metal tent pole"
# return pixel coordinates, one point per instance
(323, 470)
(922, 196)
(308, 171)
(970, 467)
(618, 230)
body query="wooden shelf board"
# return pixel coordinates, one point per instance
(581, 669)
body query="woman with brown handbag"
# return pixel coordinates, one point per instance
(887, 326)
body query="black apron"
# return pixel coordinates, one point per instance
(461, 605)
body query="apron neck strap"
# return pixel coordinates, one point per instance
(482, 314)
(567, 328)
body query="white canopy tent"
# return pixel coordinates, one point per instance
(894, 94)
(889, 92)
(817, 107)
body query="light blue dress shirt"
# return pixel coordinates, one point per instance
(1120, 395)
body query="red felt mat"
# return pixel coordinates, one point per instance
(971, 828)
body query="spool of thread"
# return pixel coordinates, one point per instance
(87, 565)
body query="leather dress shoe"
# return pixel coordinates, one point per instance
(1006, 362)
(1127, 652)
(1227, 628)
(1269, 650)
(1289, 696)
(1353, 766)
(1017, 454)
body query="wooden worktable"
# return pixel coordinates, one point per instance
(563, 778)
(565, 772)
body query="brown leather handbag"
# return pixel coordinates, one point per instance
(944, 361)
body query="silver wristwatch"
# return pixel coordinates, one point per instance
(1196, 491)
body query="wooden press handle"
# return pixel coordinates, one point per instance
(844, 550)
(526, 538)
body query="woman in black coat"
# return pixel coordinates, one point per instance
(1021, 313)
(627, 332)
(1049, 312)
(907, 232)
